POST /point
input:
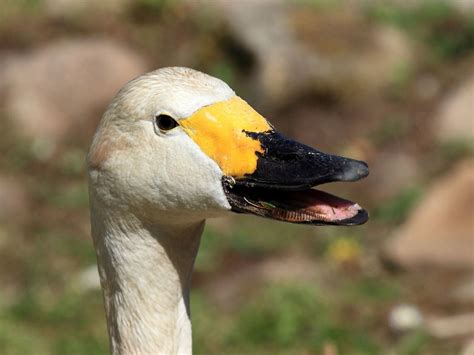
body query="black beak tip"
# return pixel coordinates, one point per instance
(360, 218)
(354, 170)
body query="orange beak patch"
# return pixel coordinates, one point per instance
(220, 131)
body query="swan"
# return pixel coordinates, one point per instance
(175, 147)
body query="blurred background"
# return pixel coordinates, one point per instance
(388, 82)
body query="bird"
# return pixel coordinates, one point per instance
(175, 147)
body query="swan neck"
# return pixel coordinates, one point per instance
(145, 272)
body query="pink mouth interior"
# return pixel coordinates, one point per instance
(313, 205)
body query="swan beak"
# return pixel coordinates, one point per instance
(281, 187)
(269, 175)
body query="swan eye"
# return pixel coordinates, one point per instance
(165, 122)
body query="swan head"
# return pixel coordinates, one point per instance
(177, 145)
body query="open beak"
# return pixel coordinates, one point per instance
(281, 186)
(269, 175)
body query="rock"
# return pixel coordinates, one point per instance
(330, 348)
(386, 55)
(451, 326)
(263, 28)
(468, 348)
(455, 119)
(390, 172)
(87, 279)
(465, 6)
(440, 232)
(57, 90)
(293, 53)
(404, 317)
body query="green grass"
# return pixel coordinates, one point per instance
(455, 150)
(390, 130)
(53, 322)
(288, 319)
(398, 208)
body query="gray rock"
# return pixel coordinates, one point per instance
(391, 172)
(87, 279)
(297, 49)
(57, 89)
(440, 232)
(468, 348)
(404, 317)
(455, 119)
(464, 6)
(453, 326)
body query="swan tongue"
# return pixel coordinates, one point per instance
(308, 206)
(315, 205)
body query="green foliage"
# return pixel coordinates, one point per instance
(322, 5)
(455, 150)
(154, 5)
(25, 4)
(73, 162)
(289, 312)
(371, 290)
(397, 209)
(390, 130)
(17, 152)
(286, 318)
(290, 316)
(70, 196)
(401, 79)
(60, 323)
(77, 345)
(16, 338)
(412, 343)
(224, 71)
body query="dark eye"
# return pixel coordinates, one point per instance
(165, 122)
